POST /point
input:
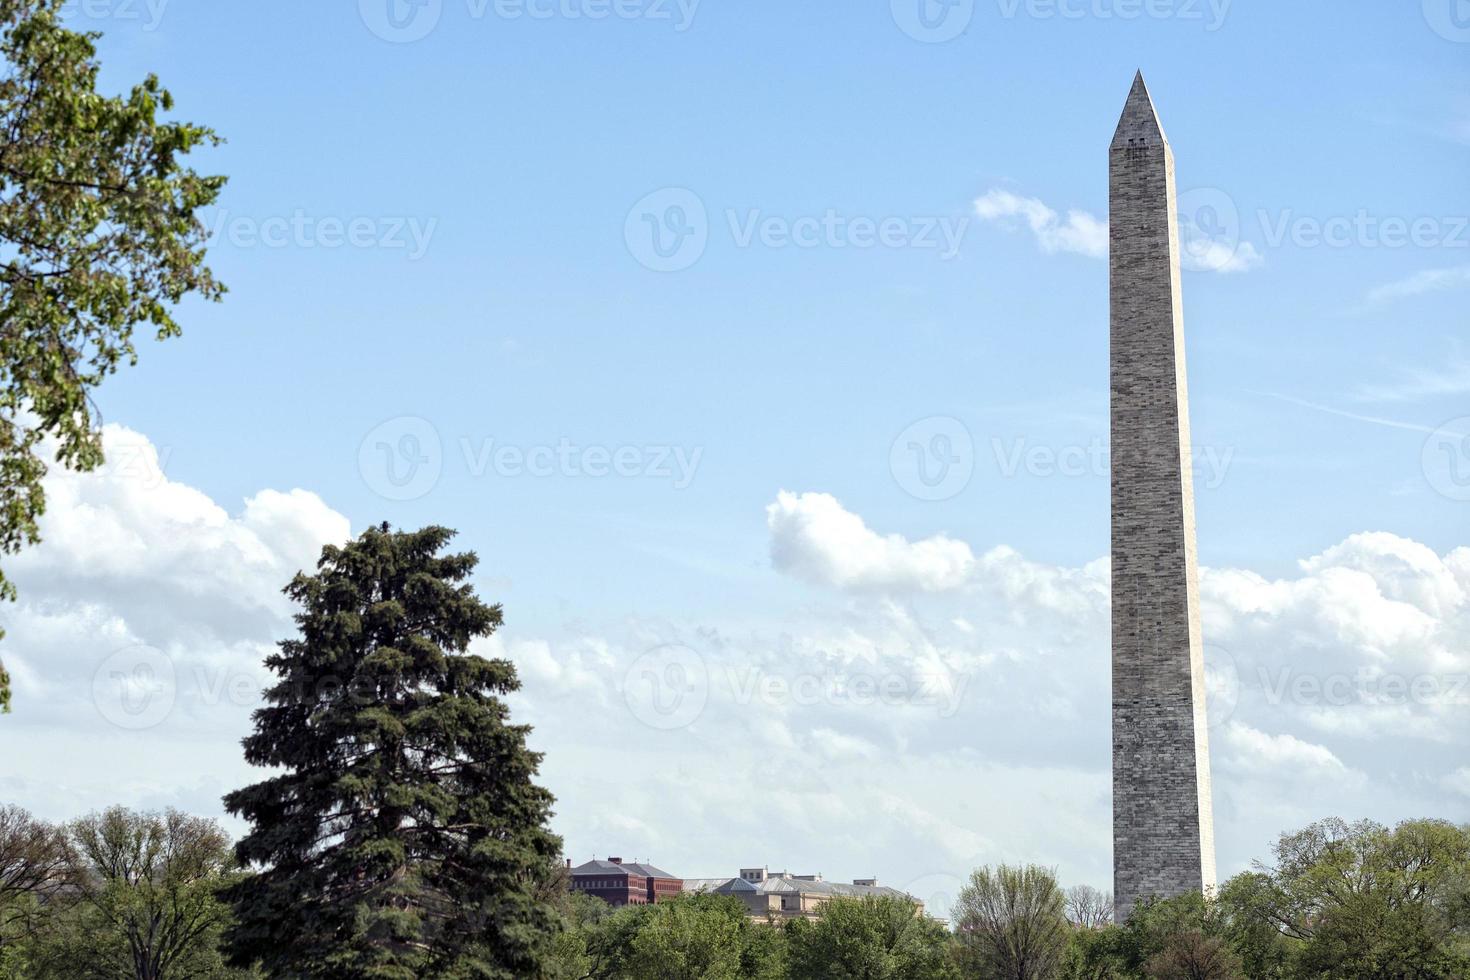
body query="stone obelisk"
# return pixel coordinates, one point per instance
(1163, 827)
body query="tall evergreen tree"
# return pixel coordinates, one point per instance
(404, 836)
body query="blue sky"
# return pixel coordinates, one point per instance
(527, 142)
(518, 149)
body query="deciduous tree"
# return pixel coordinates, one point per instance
(35, 864)
(1361, 901)
(148, 908)
(1089, 908)
(1012, 923)
(99, 234)
(870, 939)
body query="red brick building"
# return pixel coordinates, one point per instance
(619, 882)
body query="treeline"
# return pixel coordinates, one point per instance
(144, 896)
(1339, 902)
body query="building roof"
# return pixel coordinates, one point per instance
(649, 871)
(596, 867)
(787, 885)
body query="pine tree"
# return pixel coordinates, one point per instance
(404, 836)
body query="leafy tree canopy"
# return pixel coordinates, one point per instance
(99, 234)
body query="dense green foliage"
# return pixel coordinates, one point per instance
(116, 895)
(130, 896)
(1341, 902)
(712, 937)
(870, 939)
(403, 835)
(100, 234)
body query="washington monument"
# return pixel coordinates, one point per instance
(1163, 826)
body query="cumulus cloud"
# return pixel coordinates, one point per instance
(813, 537)
(816, 539)
(1204, 252)
(924, 707)
(1078, 233)
(143, 617)
(1283, 757)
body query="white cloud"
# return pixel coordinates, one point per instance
(1285, 757)
(143, 617)
(927, 708)
(814, 538)
(1202, 253)
(1078, 233)
(1429, 281)
(1081, 233)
